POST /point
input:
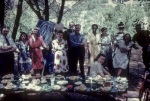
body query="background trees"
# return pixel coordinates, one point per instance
(23, 15)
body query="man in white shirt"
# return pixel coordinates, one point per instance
(7, 47)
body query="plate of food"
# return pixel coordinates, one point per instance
(106, 88)
(78, 83)
(107, 77)
(73, 78)
(25, 82)
(26, 77)
(56, 87)
(8, 76)
(82, 87)
(62, 82)
(60, 77)
(10, 86)
(43, 81)
(5, 81)
(22, 86)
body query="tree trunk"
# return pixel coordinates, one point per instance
(37, 10)
(17, 20)
(2, 12)
(46, 10)
(61, 11)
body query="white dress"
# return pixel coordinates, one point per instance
(120, 60)
(60, 57)
(94, 48)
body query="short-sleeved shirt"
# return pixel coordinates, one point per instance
(3, 43)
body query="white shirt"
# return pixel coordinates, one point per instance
(97, 69)
(3, 43)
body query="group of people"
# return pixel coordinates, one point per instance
(105, 52)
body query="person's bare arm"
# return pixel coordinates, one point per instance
(105, 71)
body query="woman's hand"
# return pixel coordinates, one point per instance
(123, 50)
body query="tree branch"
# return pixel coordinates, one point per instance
(37, 12)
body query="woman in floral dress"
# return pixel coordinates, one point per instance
(106, 47)
(25, 63)
(59, 47)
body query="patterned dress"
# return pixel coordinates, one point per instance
(60, 57)
(121, 59)
(24, 58)
(36, 52)
(106, 42)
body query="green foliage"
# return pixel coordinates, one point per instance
(86, 13)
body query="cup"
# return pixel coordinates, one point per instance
(52, 81)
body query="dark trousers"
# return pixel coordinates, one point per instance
(108, 61)
(77, 54)
(146, 58)
(6, 63)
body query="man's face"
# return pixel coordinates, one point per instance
(77, 29)
(101, 59)
(71, 26)
(94, 28)
(5, 31)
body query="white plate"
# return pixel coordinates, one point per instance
(25, 82)
(56, 87)
(78, 83)
(62, 82)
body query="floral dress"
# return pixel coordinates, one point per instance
(60, 57)
(24, 59)
(106, 43)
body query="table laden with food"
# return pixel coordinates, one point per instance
(28, 84)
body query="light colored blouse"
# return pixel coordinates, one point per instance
(97, 69)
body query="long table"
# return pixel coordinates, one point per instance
(93, 91)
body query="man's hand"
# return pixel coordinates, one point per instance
(13, 49)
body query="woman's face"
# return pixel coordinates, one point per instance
(121, 29)
(23, 37)
(101, 59)
(127, 38)
(35, 32)
(104, 32)
(60, 36)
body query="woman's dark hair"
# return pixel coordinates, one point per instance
(127, 34)
(94, 25)
(23, 33)
(103, 29)
(98, 56)
(60, 31)
(121, 26)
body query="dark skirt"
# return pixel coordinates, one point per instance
(6, 63)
